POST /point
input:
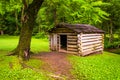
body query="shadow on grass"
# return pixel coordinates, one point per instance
(115, 51)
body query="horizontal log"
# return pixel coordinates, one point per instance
(91, 43)
(89, 52)
(91, 40)
(72, 49)
(71, 37)
(70, 42)
(92, 49)
(91, 34)
(91, 37)
(73, 34)
(91, 46)
(72, 46)
(71, 52)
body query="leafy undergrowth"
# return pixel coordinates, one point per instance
(11, 69)
(104, 66)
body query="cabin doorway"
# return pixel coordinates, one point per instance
(63, 43)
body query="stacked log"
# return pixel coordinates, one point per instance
(72, 44)
(90, 43)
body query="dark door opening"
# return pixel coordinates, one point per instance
(63, 42)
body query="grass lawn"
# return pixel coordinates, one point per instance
(11, 69)
(9, 43)
(104, 66)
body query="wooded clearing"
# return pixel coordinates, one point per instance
(54, 66)
(25, 27)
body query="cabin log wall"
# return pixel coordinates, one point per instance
(90, 43)
(72, 44)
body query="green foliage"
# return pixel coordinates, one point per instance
(114, 16)
(10, 15)
(41, 34)
(114, 45)
(71, 11)
(96, 67)
(88, 12)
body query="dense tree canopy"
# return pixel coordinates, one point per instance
(71, 11)
(10, 16)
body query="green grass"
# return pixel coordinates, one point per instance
(11, 69)
(34, 63)
(9, 43)
(104, 66)
(39, 45)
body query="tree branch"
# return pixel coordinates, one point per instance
(25, 4)
(35, 5)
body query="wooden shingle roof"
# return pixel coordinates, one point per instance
(81, 28)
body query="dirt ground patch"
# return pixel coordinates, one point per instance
(56, 63)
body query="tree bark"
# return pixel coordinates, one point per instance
(111, 32)
(16, 19)
(28, 20)
(1, 32)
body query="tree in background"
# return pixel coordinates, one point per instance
(70, 11)
(9, 13)
(112, 25)
(53, 12)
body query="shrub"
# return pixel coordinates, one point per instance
(41, 35)
(114, 44)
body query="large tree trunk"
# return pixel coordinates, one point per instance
(28, 20)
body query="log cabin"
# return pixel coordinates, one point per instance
(79, 39)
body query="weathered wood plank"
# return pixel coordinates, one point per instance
(71, 37)
(93, 49)
(91, 46)
(85, 35)
(71, 52)
(91, 40)
(91, 43)
(72, 49)
(72, 46)
(70, 42)
(91, 37)
(89, 52)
